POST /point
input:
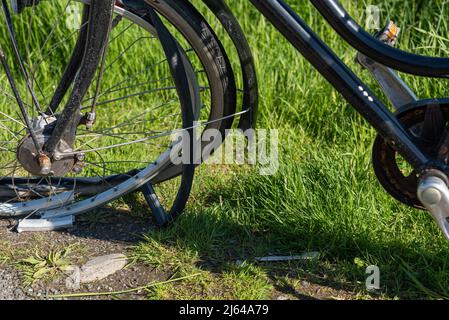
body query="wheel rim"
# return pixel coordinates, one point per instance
(56, 194)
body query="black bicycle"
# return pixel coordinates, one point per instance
(62, 161)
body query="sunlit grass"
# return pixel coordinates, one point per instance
(324, 198)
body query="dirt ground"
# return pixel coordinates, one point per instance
(114, 234)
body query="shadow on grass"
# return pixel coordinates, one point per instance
(226, 229)
(221, 234)
(115, 224)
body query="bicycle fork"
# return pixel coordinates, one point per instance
(100, 15)
(88, 52)
(40, 153)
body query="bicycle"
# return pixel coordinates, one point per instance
(417, 132)
(71, 160)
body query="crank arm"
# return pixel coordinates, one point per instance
(396, 90)
(434, 195)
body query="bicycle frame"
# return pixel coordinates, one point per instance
(301, 36)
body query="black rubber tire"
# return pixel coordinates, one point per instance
(216, 63)
(200, 36)
(192, 25)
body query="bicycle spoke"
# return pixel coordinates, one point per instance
(55, 25)
(136, 95)
(124, 52)
(35, 66)
(136, 101)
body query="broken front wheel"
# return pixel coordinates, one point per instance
(137, 102)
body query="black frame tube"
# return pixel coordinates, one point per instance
(356, 36)
(342, 78)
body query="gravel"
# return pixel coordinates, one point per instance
(112, 237)
(10, 285)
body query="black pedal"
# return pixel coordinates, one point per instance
(19, 5)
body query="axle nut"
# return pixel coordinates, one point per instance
(45, 164)
(431, 196)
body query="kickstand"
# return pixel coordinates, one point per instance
(160, 215)
(187, 90)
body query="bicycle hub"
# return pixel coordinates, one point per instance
(40, 164)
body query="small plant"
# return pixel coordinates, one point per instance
(3, 258)
(5, 253)
(39, 267)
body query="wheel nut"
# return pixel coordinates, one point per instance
(78, 167)
(45, 164)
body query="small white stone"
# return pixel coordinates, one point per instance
(102, 267)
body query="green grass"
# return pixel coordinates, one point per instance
(324, 197)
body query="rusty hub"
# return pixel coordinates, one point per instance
(41, 164)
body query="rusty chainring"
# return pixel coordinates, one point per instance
(426, 120)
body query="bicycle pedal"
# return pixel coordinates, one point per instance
(159, 214)
(389, 35)
(19, 5)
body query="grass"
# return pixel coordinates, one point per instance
(6, 253)
(39, 260)
(324, 197)
(244, 281)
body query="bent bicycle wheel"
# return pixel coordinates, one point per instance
(136, 102)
